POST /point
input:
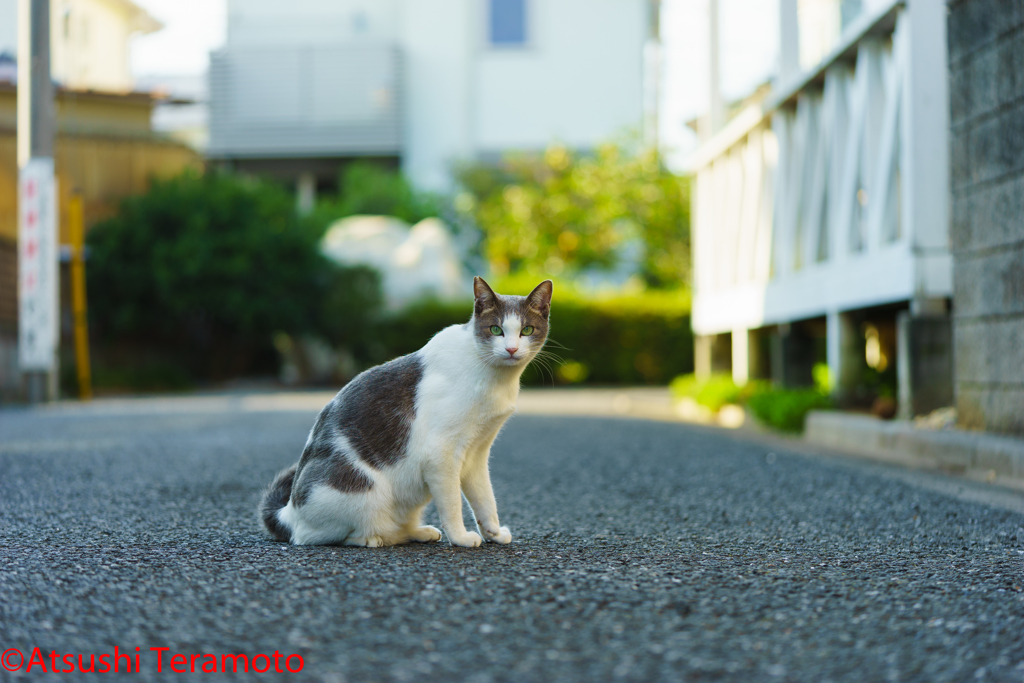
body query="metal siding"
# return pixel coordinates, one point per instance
(307, 101)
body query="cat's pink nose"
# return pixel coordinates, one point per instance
(512, 352)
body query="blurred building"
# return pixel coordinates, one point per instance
(986, 62)
(821, 211)
(182, 107)
(105, 149)
(89, 40)
(301, 87)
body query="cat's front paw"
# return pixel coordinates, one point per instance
(502, 535)
(470, 539)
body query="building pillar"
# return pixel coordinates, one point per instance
(702, 356)
(928, 306)
(924, 362)
(759, 363)
(845, 353)
(740, 356)
(305, 193)
(792, 357)
(775, 359)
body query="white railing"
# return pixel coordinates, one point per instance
(832, 195)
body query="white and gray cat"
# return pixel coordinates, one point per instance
(418, 427)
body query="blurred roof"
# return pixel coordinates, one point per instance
(134, 97)
(140, 19)
(88, 112)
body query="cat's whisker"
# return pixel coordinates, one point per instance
(556, 344)
(551, 356)
(542, 363)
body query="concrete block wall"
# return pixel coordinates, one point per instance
(986, 69)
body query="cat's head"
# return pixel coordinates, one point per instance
(510, 330)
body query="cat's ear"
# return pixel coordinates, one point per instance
(484, 296)
(540, 298)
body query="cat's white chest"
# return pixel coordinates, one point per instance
(460, 396)
(465, 400)
(497, 402)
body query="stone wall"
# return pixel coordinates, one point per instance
(986, 59)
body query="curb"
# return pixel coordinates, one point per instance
(977, 455)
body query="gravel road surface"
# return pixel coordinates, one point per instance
(641, 551)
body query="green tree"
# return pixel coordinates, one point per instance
(367, 188)
(563, 212)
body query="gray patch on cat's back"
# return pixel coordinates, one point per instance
(376, 410)
(323, 463)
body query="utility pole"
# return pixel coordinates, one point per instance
(38, 269)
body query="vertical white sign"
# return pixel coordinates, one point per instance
(38, 317)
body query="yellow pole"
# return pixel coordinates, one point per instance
(76, 229)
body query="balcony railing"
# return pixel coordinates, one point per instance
(831, 195)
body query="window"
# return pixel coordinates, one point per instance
(508, 23)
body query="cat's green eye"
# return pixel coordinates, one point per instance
(495, 330)
(528, 330)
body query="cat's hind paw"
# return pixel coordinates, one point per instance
(365, 541)
(426, 534)
(502, 535)
(470, 539)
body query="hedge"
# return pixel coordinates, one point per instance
(626, 339)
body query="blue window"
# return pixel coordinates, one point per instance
(508, 23)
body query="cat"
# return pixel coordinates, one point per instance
(418, 427)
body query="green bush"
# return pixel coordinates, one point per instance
(786, 409)
(206, 268)
(368, 189)
(783, 409)
(714, 392)
(622, 339)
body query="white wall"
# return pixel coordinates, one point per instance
(437, 42)
(579, 80)
(271, 23)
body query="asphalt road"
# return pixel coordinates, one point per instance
(641, 552)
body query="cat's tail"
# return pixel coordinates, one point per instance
(274, 498)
